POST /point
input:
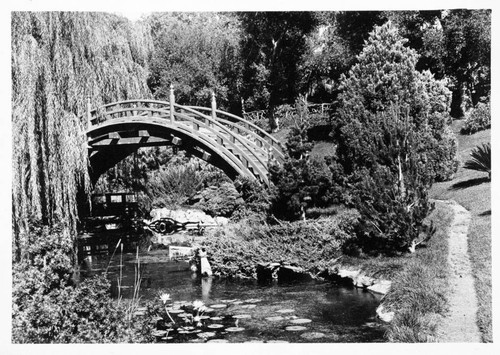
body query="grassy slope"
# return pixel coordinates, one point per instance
(470, 189)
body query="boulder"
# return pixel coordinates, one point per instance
(380, 286)
(384, 315)
(363, 281)
(182, 215)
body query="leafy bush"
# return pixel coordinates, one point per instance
(477, 119)
(48, 308)
(235, 250)
(481, 159)
(255, 196)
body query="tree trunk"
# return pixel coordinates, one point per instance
(457, 99)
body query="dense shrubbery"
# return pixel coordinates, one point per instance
(477, 119)
(310, 244)
(49, 308)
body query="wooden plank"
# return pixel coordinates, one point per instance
(114, 135)
(143, 133)
(206, 156)
(176, 140)
(132, 140)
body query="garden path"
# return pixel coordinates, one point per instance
(460, 324)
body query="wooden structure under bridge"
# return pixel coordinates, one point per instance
(237, 146)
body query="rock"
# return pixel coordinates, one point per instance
(384, 315)
(182, 215)
(380, 286)
(363, 281)
(221, 221)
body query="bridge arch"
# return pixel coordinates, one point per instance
(226, 141)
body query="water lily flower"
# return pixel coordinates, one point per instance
(196, 319)
(198, 304)
(165, 297)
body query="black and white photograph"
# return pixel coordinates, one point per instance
(317, 176)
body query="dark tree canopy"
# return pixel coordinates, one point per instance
(272, 46)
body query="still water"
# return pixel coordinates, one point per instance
(324, 312)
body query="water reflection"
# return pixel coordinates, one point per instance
(339, 311)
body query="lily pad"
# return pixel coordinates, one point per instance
(286, 310)
(253, 300)
(230, 301)
(209, 310)
(295, 328)
(167, 338)
(187, 327)
(300, 321)
(235, 329)
(237, 302)
(218, 306)
(216, 318)
(215, 326)
(204, 317)
(312, 335)
(242, 316)
(275, 319)
(206, 335)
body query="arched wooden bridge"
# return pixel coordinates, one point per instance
(236, 146)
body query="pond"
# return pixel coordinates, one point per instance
(244, 311)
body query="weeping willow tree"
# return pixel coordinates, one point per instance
(58, 60)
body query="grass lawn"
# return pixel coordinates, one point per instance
(470, 189)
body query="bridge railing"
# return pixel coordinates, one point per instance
(163, 110)
(261, 137)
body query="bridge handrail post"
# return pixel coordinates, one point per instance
(214, 106)
(172, 102)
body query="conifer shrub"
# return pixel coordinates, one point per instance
(477, 119)
(394, 140)
(384, 77)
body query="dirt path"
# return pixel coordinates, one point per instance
(460, 325)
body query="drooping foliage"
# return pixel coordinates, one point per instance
(58, 59)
